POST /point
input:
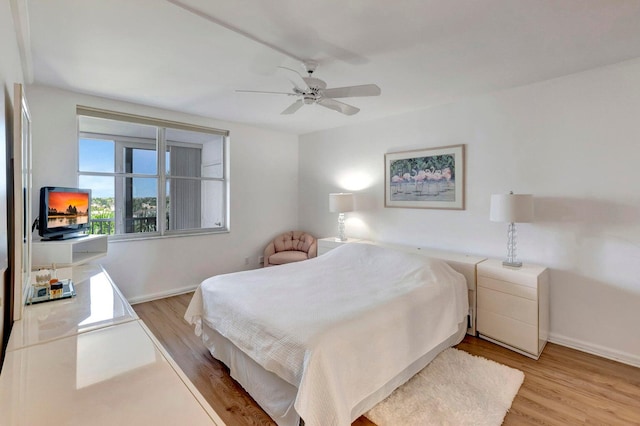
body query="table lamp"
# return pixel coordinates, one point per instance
(511, 208)
(341, 203)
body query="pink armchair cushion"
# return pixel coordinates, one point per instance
(287, 257)
(291, 246)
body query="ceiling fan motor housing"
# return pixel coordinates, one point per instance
(315, 84)
(311, 90)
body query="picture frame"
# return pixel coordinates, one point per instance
(429, 178)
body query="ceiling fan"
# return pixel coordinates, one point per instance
(311, 90)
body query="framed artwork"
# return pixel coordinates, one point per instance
(430, 178)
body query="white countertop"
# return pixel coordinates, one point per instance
(98, 303)
(90, 360)
(109, 376)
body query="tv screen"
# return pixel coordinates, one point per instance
(64, 212)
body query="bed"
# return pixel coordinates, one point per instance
(328, 338)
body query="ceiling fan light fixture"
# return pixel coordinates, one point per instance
(312, 90)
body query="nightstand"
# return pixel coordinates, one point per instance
(513, 306)
(328, 244)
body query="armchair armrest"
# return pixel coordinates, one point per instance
(313, 250)
(270, 250)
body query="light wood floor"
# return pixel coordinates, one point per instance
(564, 387)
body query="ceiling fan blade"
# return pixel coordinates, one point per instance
(338, 106)
(295, 78)
(293, 107)
(262, 92)
(352, 91)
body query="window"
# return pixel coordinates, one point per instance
(136, 191)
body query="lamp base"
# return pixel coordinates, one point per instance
(341, 236)
(512, 264)
(512, 258)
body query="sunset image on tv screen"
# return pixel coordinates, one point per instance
(68, 208)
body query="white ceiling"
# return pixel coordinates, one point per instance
(191, 55)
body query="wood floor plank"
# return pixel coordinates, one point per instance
(164, 318)
(564, 387)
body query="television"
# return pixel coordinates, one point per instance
(64, 212)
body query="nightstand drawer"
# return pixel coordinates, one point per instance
(504, 304)
(507, 330)
(527, 275)
(530, 293)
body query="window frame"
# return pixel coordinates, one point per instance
(160, 145)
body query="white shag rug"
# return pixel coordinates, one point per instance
(456, 388)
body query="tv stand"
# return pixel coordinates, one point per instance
(68, 252)
(64, 237)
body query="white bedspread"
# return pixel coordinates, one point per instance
(338, 326)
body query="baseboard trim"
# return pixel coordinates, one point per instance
(161, 295)
(623, 357)
(521, 352)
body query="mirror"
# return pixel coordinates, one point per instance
(21, 203)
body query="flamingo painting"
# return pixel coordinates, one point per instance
(446, 173)
(419, 179)
(396, 181)
(430, 178)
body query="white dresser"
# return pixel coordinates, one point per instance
(91, 360)
(513, 306)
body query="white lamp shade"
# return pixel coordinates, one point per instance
(341, 202)
(516, 208)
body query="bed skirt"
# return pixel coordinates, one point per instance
(277, 397)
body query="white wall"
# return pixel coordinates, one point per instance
(573, 142)
(264, 202)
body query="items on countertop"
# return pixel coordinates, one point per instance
(48, 287)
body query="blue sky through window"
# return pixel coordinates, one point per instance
(96, 155)
(144, 161)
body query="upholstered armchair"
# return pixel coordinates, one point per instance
(292, 246)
